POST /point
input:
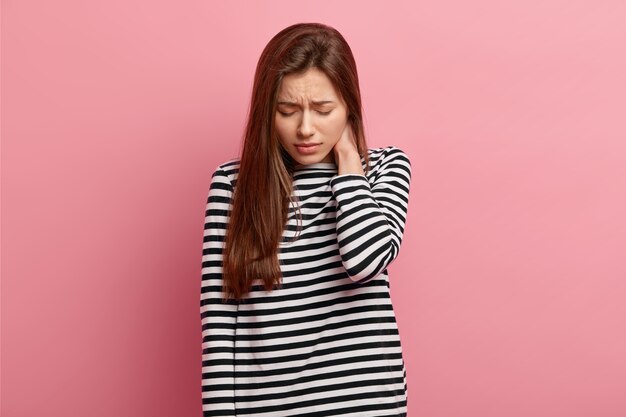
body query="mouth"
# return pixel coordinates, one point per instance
(307, 148)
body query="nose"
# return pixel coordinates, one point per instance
(306, 125)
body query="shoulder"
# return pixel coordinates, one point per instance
(389, 158)
(226, 171)
(387, 153)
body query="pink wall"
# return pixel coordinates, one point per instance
(510, 286)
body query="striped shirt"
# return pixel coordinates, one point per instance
(326, 342)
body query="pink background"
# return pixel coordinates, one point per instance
(509, 289)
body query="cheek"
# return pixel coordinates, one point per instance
(335, 127)
(281, 128)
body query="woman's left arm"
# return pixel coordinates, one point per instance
(371, 217)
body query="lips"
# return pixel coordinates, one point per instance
(307, 148)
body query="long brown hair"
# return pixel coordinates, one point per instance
(260, 203)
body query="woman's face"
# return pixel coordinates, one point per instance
(310, 116)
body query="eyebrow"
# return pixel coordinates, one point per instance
(293, 103)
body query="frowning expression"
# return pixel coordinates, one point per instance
(310, 116)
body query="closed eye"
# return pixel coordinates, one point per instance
(323, 113)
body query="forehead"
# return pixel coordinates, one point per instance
(311, 85)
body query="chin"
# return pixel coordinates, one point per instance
(306, 161)
(311, 159)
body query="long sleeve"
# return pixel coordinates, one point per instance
(371, 217)
(218, 317)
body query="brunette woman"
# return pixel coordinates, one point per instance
(297, 318)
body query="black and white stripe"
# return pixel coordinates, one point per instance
(326, 342)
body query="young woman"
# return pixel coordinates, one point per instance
(296, 313)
